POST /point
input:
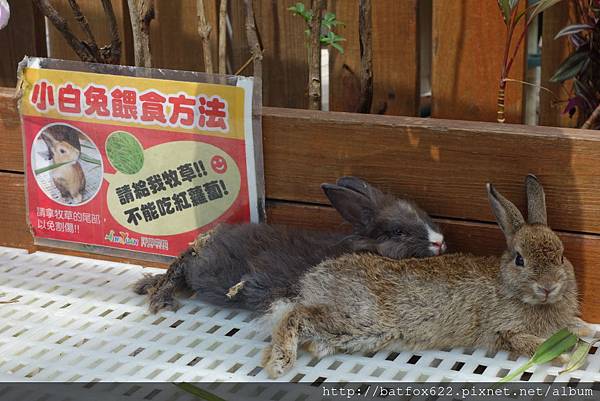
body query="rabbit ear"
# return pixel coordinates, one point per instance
(536, 201)
(48, 138)
(360, 186)
(507, 215)
(354, 207)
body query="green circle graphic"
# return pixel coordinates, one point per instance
(124, 152)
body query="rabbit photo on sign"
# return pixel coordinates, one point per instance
(366, 302)
(251, 265)
(64, 149)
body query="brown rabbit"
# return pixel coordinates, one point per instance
(64, 148)
(365, 302)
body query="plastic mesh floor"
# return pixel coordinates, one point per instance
(66, 318)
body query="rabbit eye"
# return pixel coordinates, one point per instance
(519, 260)
(62, 151)
(397, 232)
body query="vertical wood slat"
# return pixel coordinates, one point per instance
(344, 69)
(285, 57)
(175, 41)
(468, 45)
(59, 48)
(24, 35)
(553, 53)
(176, 44)
(395, 58)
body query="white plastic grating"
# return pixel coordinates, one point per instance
(75, 319)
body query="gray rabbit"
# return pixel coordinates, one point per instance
(251, 265)
(366, 302)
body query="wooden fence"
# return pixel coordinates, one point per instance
(467, 39)
(442, 164)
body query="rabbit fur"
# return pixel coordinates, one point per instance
(366, 302)
(64, 147)
(251, 265)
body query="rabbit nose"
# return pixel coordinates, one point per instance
(548, 289)
(439, 246)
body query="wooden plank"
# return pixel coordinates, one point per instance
(285, 55)
(10, 132)
(463, 236)
(395, 58)
(24, 35)
(468, 47)
(553, 54)
(175, 41)
(583, 250)
(395, 42)
(344, 69)
(442, 164)
(58, 47)
(237, 45)
(15, 232)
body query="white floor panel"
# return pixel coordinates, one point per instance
(76, 319)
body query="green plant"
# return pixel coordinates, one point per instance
(558, 344)
(512, 15)
(82, 156)
(124, 152)
(582, 66)
(329, 22)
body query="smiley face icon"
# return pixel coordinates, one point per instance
(218, 164)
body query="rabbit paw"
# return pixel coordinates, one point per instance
(563, 359)
(318, 349)
(277, 362)
(158, 303)
(581, 329)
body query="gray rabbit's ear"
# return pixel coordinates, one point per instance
(536, 201)
(361, 186)
(354, 207)
(507, 215)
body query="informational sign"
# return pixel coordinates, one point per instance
(134, 163)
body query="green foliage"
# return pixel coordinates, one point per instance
(559, 343)
(301, 10)
(505, 9)
(329, 23)
(571, 66)
(89, 159)
(50, 167)
(577, 357)
(124, 152)
(582, 66)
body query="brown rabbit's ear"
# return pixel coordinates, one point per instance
(361, 186)
(536, 201)
(507, 215)
(354, 207)
(49, 139)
